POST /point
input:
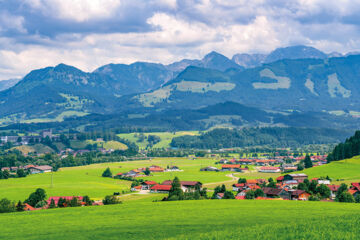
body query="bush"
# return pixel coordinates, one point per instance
(111, 199)
(7, 206)
(346, 197)
(250, 195)
(41, 204)
(35, 197)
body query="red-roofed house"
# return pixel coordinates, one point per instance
(232, 167)
(269, 169)
(185, 185)
(160, 188)
(238, 186)
(27, 207)
(300, 195)
(147, 185)
(280, 179)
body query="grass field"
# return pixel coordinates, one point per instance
(166, 138)
(340, 171)
(87, 180)
(38, 148)
(109, 144)
(205, 219)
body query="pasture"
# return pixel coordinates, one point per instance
(166, 138)
(203, 219)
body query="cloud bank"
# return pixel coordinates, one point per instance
(91, 33)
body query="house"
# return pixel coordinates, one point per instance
(136, 188)
(147, 185)
(40, 169)
(160, 188)
(185, 185)
(269, 169)
(288, 168)
(355, 186)
(333, 190)
(276, 193)
(27, 207)
(232, 167)
(295, 176)
(290, 183)
(251, 182)
(156, 169)
(219, 195)
(209, 169)
(245, 161)
(238, 187)
(300, 195)
(280, 179)
(67, 198)
(324, 181)
(5, 169)
(173, 169)
(354, 192)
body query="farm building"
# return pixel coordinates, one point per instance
(160, 188)
(185, 185)
(299, 195)
(333, 190)
(40, 169)
(147, 185)
(136, 188)
(209, 169)
(295, 176)
(276, 193)
(232, 167)
(238, 187)
(269, 169)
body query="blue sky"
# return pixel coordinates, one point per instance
(88, 34)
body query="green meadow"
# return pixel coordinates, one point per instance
(346, 171)
(166, 138)
(203, 219)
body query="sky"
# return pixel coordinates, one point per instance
(91, 33)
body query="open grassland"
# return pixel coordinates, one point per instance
(108, 144)
(205, 219)
(346, 171)
(87, 180)
(166, 138)
(38, 148)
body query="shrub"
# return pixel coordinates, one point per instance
(111, 199)
(107, 173)
(7, 206)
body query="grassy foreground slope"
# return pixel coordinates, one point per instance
(207, 219)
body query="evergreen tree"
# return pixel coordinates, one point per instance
(307, 162)
(52, 204)
(228, 195)
(343, 188)
(147, 172)
(20, 206)
(35, 197)
(223, 188)
(242, 180)
(259, 193)
(107, 173)
(176, 190)
(87, 200)
(272, 184)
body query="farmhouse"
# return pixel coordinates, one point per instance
(288, 168)
(136, 188)
(147, 185)
(40, 169)
(209, 169)
(245, 161)
(156, 169)
(172, 169)
(299, 195)
(269, 169)
(238, 187)
(185, 185)
(232, 167)
(160, 188)
(296, 176)
(275, 193)
(280, 179)
(333, 190)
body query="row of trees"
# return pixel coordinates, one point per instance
(348, 149)
(177, 194)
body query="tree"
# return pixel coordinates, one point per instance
(147, 171)
(270, 180)
(35, 197)
(323, 190)
(111, 199)
(312, 186)
(272, 185)
(302, 186)
(250, 195)
(5, 174)
(107, 173)
(74, 202)
(176, 190)
(62, 203)
(345, 196)
(343, 187)
(259, 193)
(20, 173)
(41, 204)
(7, 206)
(242, 180)
(52, 204)
(307, 162)
(228, 195)
(87, 200)
(300, 167)
(20, 206)
(223, 188)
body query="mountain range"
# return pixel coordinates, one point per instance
(285, 85)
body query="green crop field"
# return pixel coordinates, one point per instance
(205, 219)
(340, 171)
(108, 144)
(166, 138)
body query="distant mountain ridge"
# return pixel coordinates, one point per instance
(300, 79)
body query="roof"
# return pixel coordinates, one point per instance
(43, 167)
(183, 183)
(280, 178)
(297, 192)
(240, 197)
(150, 182)
(221, 195)
(356, 185)
(239, 185)
(137, 187)
(297, 175)
(269, 168)
(352, 192)
(251, 181)
(27, 207)
(271, 191)
(334, 188)
(161, 187)
(231, 166)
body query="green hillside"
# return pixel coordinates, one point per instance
(206, 219)
(342, 171)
